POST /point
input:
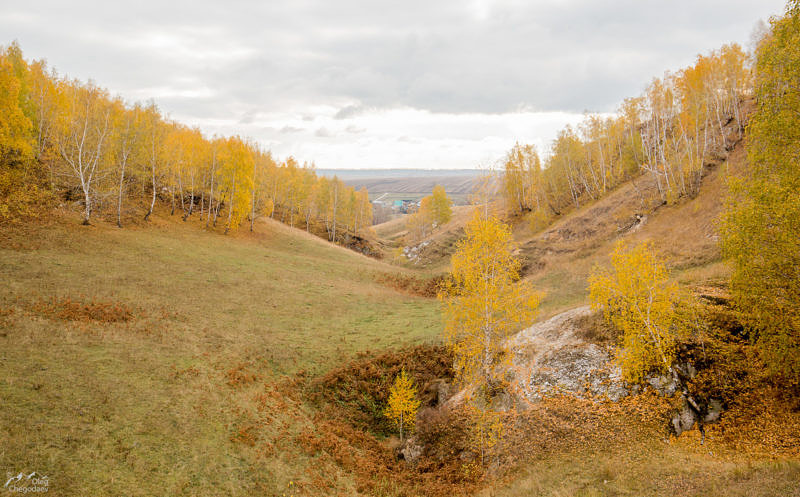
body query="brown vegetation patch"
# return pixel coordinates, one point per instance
(245, 435)
(238, 376)
(763, 422)
(595, 329)
(360, 389)
(84, 310)
(376, 469)
(6, 312)
(189, 372)
(563, 423)
(422, 287)
(349, 427)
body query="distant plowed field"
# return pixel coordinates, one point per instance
(452, 184)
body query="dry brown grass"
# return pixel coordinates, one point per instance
(559, 259)
(83, 309)
(413, 285)
(133, 358)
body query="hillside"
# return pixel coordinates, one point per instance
(173, 359)
(132, 357)
(435, 254)
(613, 309)
(559, 258)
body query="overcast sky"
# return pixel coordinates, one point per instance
(366, 84)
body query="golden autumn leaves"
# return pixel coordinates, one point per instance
(434, 211)
(484, 301)
(761, 226)
(61, 135)
(637, 297)
(403, 403)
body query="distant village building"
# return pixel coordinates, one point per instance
(409, 206)
(405, 206)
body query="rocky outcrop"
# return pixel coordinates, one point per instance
(550, 357)
(410, 450)
(414, 252)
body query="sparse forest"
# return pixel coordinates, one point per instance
(616, 314)
(66, 140)
(682, 122)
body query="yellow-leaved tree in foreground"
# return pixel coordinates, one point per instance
(761, 228)
(484, 303)
(637, 297)
(403, 403)
(651, 312)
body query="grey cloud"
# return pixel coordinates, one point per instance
(290, 129)
(348, 112)
(355, 129)
(248, 117)
(570, 55)
(324, 133)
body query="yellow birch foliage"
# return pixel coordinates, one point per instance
(761, 225)
(638, 299)
(15, 127)
(441, 206)
(403, 403)
(235, 180)
(484, 302)
(522, 178)
(420, 223)
(486, 426)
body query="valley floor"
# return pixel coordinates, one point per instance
(129, 356)
(166, 360)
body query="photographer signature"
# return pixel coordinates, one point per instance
(20, 477)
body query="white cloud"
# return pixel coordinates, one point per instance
(341, 82)
(401, 137)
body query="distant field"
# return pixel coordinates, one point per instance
(409, 184)
(350, 174)
(389, 197)
(451, 184)
(458, 188)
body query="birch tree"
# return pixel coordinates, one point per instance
(81, 136)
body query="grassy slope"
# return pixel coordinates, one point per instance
(150, 407)
(435, 257)
(147, 407)
(685, 234)
(559, 260)
(653, 469)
